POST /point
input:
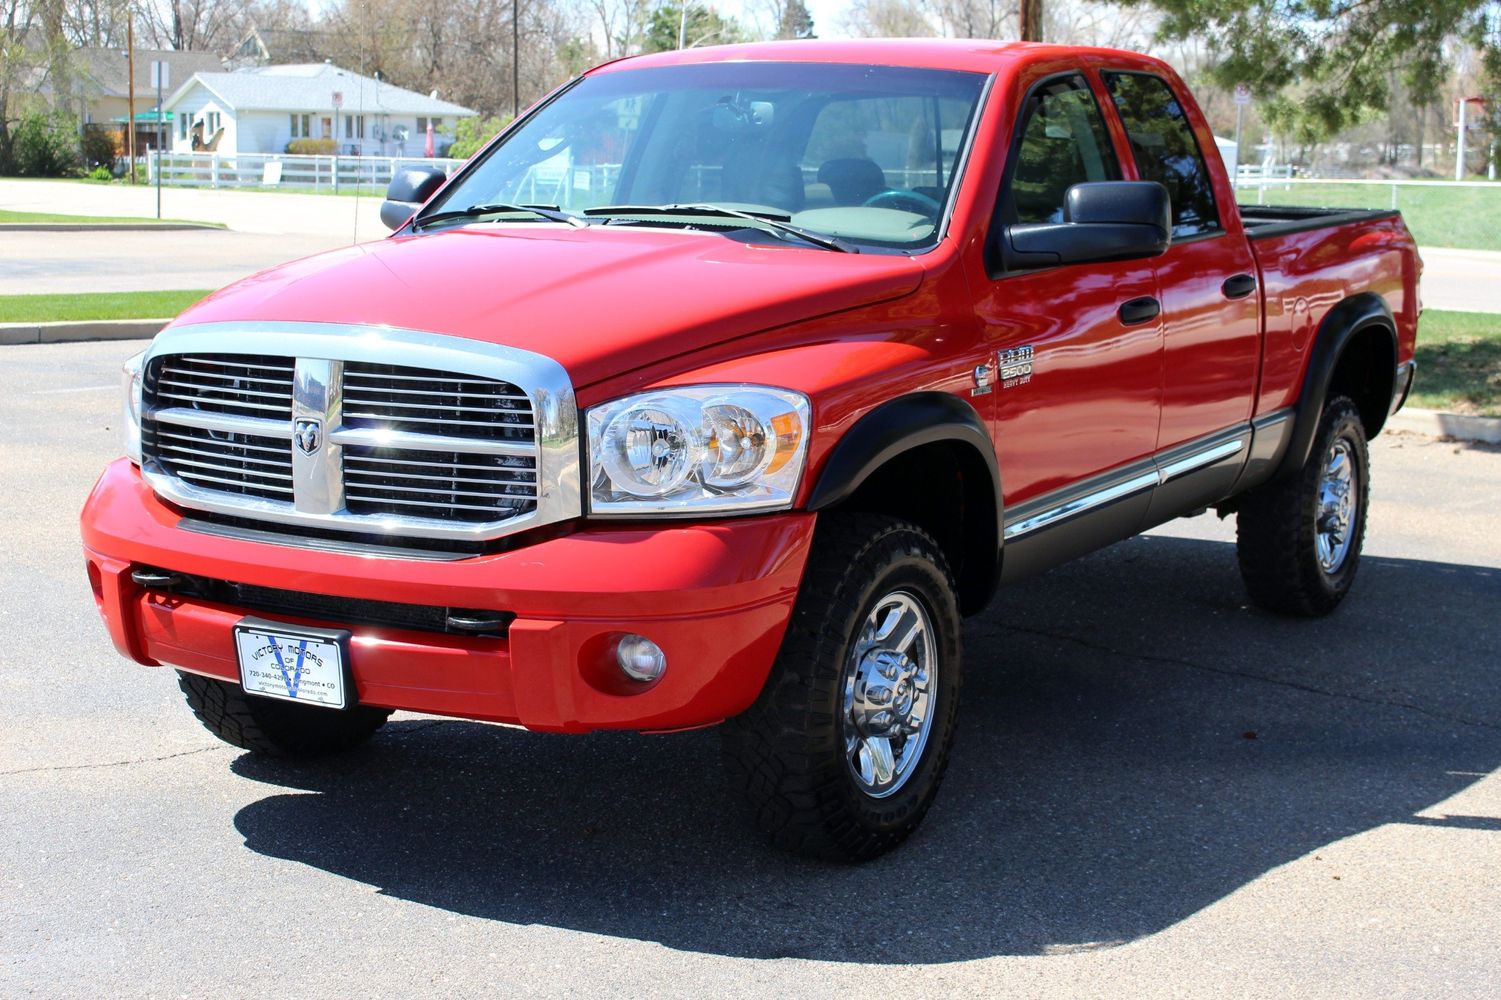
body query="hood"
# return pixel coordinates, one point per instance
(601, 301)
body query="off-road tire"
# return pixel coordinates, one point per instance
(786, 753)
(276, 728)
(1276, 526)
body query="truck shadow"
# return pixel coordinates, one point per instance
(1136, 745)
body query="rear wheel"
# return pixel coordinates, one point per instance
(843, 753)
(1299, 539)
(273, 727)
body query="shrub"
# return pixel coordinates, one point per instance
(45, 145)
(471, 135)
(99, 151)
(312, 147)
(101, 174)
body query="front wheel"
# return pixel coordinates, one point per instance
(843, 753)
(273, 727)
(1299, 539)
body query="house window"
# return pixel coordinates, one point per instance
(182, 126)
(301, 127)
(213, 125)
(354, 126)
(422, 124)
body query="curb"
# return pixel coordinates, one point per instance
(105, 227)
(1436, 423)
(63, 333)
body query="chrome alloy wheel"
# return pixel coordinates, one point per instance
(1338, 495)
(890, 680)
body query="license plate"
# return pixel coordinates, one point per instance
(307, 665)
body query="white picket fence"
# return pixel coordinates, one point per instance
(281, 171)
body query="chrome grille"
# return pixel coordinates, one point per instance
(322, 431)
(243, 464)
(448, 485)
(250, 385)
(434, 402)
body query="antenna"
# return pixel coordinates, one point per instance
(359, 166)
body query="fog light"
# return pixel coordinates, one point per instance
(640, 659)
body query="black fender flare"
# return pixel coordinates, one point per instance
(901, 425)
(1355, 315)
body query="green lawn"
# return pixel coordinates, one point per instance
(9, 216)
(1459, 363)
(1438, 216)
(98, 305)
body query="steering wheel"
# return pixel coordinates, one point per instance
(905, 200)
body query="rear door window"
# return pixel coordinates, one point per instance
(1163, 144)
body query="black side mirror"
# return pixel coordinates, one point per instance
(410, 188)
(1104, 220)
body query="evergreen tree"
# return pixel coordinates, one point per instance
(797, 22)
(1321, 66)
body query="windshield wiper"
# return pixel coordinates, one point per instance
(765, 219)
(549, 212)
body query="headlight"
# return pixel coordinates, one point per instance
(130, 383)
(697, 449)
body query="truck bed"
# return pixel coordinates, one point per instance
(1262, 221)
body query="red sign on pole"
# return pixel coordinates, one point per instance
(338, 98)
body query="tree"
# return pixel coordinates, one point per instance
(1321, 66)
(887, 19)
(703, 26)
(796, 21)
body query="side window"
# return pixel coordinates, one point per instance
(1165, 149)
(1063, 143)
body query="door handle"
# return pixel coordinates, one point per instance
(1139, 310)
(1238, 286)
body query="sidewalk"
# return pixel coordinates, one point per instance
(1466, 280)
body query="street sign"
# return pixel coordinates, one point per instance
(1242, 95)
(338, 98)
(161, 75)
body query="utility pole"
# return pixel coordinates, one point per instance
(130, 86)
(1464, 124)
(515, 59)
(1030, 16)
(159, 76)
(682, 22)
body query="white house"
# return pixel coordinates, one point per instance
(262, 109)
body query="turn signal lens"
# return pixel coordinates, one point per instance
(131, 386)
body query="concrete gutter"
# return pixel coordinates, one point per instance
(1436, 423)
(105, 227)
(98, 329)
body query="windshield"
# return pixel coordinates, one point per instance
(862, 153)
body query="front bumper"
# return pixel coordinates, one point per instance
(716, 596)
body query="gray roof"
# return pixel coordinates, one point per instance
(104, 70)
(310, 87)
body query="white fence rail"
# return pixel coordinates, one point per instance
(277, 171)
(1249, 178)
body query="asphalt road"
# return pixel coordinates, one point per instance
(268, 228)
(1156, 791)
(130, 261)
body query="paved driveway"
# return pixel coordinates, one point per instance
(1156, 791)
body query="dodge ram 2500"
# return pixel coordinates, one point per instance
(720, 387)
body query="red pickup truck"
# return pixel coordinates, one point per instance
(720, 387)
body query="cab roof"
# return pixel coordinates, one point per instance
(969, 55)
